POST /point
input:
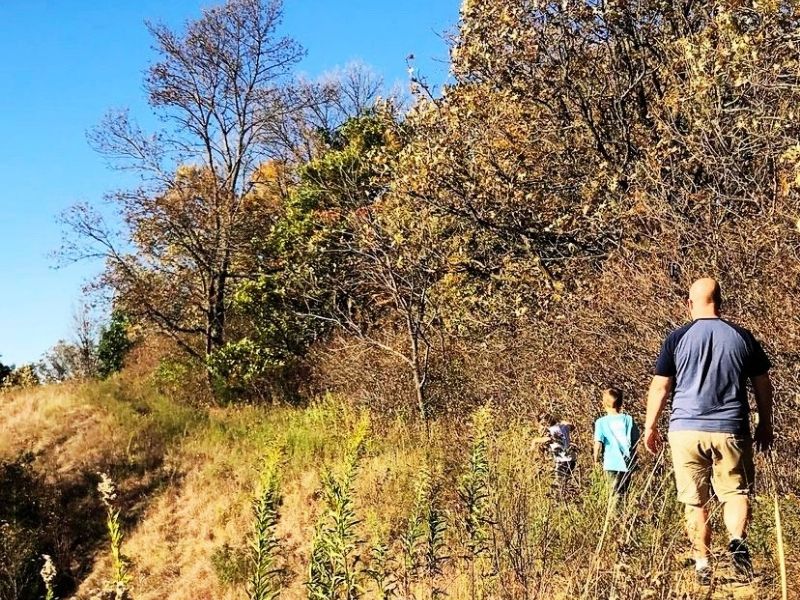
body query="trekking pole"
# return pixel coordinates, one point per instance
(778, 527)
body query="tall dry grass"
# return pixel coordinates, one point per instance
(469, 512)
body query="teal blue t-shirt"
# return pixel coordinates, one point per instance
(618, 434)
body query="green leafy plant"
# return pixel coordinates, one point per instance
(413, 537)
(474, 492)
(231, 565)
(335, 570)
(264, 545)
(381, 571)
(113, 345)
(436, 542)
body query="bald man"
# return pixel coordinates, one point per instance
(704, 366)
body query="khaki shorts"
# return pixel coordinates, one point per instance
(705, 460)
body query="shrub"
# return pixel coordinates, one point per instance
(114, 344)
(25, 376)
(5, 371)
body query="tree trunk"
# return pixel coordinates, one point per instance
(215, 328)
(419, 377)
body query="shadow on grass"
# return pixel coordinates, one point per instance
(63, 518)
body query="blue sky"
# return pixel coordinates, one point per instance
(66, 62)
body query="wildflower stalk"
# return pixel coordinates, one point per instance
(119, 567)
(381, 571)
(334, 567)
(414, 534)
(474, 491)
(436, 543)
(48, 574)
(264, 545)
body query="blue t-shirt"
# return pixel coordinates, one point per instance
(711, 360)
(618, 434)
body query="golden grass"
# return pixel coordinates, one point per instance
(209, 464)
(58, 425)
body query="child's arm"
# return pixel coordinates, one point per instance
(538, 443)
(598, 442)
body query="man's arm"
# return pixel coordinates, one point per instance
(657, 396)
(762, 387)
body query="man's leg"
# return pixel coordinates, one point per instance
(699, 532)
(693, 481)
(734, 475)
(736, 513)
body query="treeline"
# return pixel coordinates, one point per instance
(526, 232)
(96, 350)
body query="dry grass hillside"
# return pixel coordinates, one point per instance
(466, 511)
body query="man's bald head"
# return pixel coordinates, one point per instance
(705, 298)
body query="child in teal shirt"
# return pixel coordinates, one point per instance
(615, 438)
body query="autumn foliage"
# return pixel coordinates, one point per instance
(525, 234)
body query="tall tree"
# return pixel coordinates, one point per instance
(218, 88)
(75, 358)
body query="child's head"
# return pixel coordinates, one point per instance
(612, 399)
(547, 419)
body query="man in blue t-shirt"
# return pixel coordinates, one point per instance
(705, 366)
(615, 438)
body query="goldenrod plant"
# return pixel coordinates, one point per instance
(265, 574)
(335, 570)
(436, 540)
(474, 492)
(382, 571)
(413, 538)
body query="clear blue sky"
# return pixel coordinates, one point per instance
(66, 62)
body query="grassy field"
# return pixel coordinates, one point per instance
(334, 503)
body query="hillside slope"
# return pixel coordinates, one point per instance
(468, 512)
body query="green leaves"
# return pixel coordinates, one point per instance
(265, 581)
(114, 344)
(335, 570)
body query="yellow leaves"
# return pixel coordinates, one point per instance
(792, 154)
(791, 158)
(269, 172)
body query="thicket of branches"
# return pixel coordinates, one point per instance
(526, 235)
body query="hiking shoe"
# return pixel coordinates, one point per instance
(704, 576)
(740, 559)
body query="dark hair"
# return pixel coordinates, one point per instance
(615, 394)
(548, 418)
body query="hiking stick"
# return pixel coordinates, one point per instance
(778, 528)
